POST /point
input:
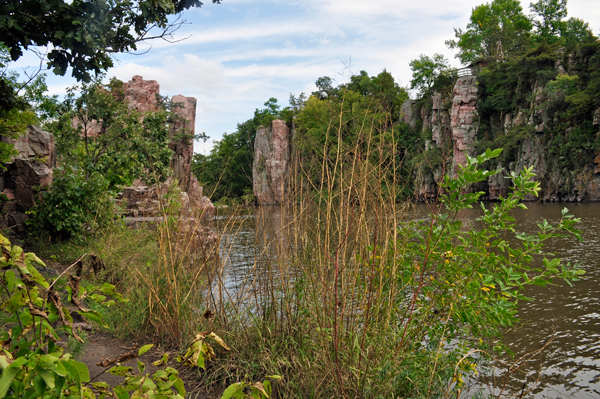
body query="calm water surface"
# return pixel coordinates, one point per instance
(571, 363)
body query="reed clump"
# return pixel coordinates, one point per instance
(353, 293)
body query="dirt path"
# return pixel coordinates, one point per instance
(99, 347)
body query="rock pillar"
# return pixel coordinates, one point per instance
(464, 118)
(271, 163)
(30, 169)
(182, 146)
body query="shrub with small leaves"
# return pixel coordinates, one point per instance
(76, 203)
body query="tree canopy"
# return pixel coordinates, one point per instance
(500, 30)
(551, 24)
(495, 31)
(426, 70)
(83, 34)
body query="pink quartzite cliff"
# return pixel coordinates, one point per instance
(143, 96)
(271, 163)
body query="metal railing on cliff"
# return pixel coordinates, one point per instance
(466, 71)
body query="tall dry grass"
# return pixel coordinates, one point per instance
(318, 304)
(330, 293)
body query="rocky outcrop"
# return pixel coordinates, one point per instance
(182, 146)
(150, 201)
(409, 113)
(142, 95)
(271, 163)
(27, 172)
(439, 119)
(464, 121)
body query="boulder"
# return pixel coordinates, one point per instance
(31, 168)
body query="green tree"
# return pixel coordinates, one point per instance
(15, 110)
(577, 31)
(495, 31)
(552, 26)
(227, 170)
(351, 129)
(426, 70)
(382, 87)
(325, 87)
(102, 144)
(549, 24)
(83, 34)
(99, 133)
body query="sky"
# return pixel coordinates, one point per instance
(238, 54)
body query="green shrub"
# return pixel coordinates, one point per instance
(74, 205)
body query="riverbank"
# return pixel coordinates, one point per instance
(354, 299)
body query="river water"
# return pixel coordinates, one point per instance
(569, 367)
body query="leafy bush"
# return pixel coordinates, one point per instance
(76, 203)
(33, 363)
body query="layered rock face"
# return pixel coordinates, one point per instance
(533, 149)
(439, 118)
(463, 118)
(458, 123)
(32, 167)
(271, 163)
(142, 95)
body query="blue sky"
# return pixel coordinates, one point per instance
(240, 53)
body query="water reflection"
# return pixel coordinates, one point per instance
(252, 243)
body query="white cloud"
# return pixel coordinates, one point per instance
(242, 52)
(178, 75)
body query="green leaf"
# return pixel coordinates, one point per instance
(141, 367)
(84, 373)
(235, 390)
(9, 374)
(144, 349)
(162, 361)
(123, 371)
(59, 383)
(39, 385)
(93, 315)
(179, 386)
(121, 392)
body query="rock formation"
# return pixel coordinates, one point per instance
(408, 113)
(271, 163)
(142, 94)
(463, 118)
(151, 201)
(183, 148)
(30, 169)
(532, 149)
